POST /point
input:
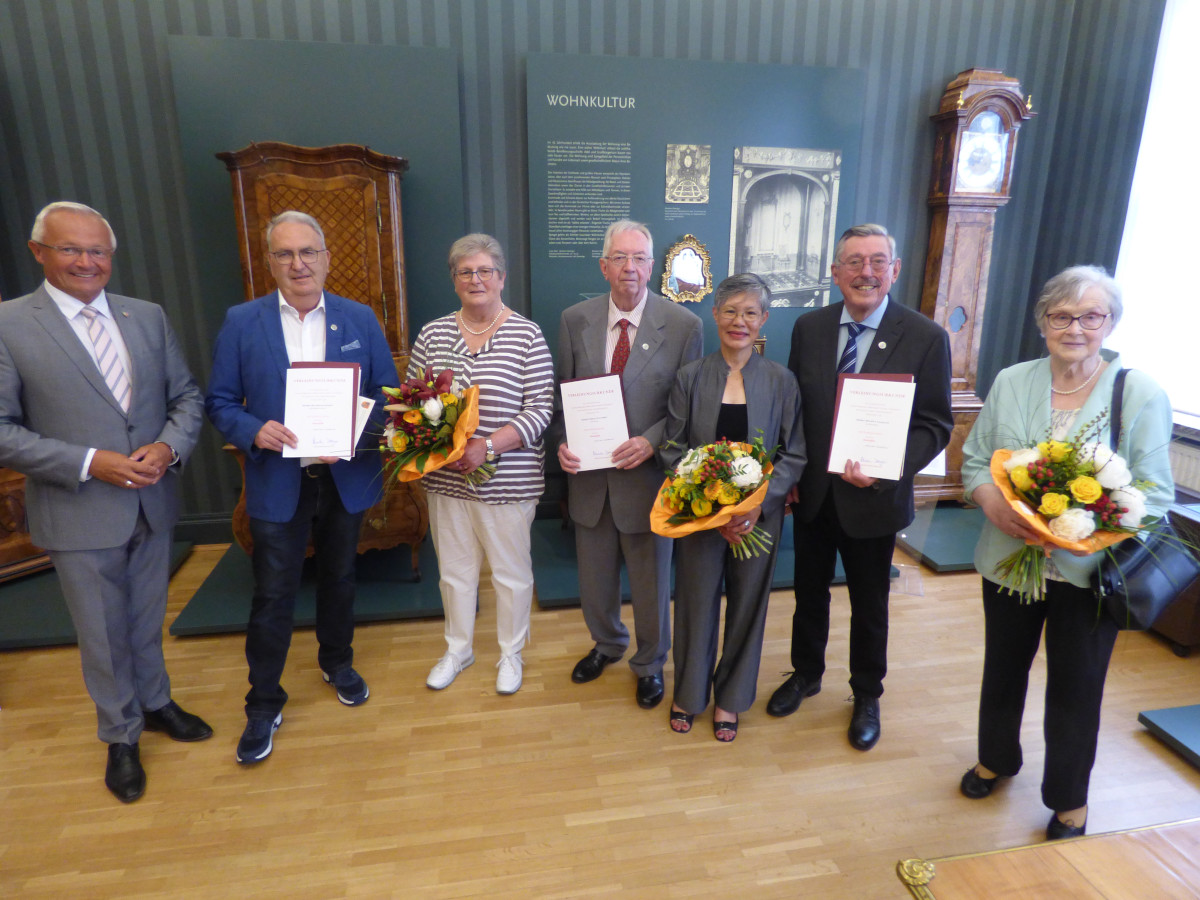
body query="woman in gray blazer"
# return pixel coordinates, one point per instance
(738, 394)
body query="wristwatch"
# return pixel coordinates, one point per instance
(491, 453)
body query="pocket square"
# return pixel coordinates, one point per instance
(353, 346)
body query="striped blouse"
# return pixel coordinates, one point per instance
(515, 374)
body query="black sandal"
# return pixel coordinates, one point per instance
(725, 731)
(678, 715)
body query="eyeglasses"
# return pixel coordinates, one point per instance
(1092, 321)
(99, 254)
(466, 276)
(749, 316)
(619, 259)
(308, 256)
(855, 263)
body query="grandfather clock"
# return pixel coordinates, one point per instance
(977, 124)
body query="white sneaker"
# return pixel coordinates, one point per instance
(443, 674)
(508, 679)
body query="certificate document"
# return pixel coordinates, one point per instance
(594, 416)
(870, 423)
(319, 408)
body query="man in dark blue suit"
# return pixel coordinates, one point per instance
(847, 512)
(287, 498)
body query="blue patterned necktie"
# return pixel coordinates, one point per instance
(850, 353)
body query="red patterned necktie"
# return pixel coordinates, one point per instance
(621, 351)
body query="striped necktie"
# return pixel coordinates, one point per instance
(107, 358)
(850, 352)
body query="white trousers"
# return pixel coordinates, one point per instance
(464, 532)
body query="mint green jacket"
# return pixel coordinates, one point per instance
(1016, 414)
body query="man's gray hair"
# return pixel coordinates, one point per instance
(470, 244)
(38, 233)
(743, 283)
(292, 215)
(867, 230)
(1069, 286)
(623, 225)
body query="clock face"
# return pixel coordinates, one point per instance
(981, 162)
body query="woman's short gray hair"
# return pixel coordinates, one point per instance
(470, 244)
(1069, 286)
(743, 283)
(38, 233)
(299, 218)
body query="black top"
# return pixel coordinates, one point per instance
(732, 424)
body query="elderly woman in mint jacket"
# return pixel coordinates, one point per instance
(1056, 397)
(736, 394)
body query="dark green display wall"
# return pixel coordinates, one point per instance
(86, 113)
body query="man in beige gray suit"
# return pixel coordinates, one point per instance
(647, 340)
(98, 410)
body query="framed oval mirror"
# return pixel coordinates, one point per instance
(687, 272)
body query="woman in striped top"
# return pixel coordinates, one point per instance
(487, 344)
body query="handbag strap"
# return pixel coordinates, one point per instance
(1114, 436)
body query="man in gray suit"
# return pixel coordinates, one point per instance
(647, 340)
(98, 410)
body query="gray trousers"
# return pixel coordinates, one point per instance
(117, 598)
(647, 556)
(706, 567)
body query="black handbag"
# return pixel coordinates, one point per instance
(1141, 576)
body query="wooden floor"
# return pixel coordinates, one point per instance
(561, 790)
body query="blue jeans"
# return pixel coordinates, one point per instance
(278, 561)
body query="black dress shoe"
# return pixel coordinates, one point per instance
(590, 667)
(1058, 829)
(650, 691)
(975, 786)
(864, 723)
(787, 697)
(177, 724)
(124, 775)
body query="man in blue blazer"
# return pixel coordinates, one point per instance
(611, 507)
(848, 512)
(98, 410)
(287, 498)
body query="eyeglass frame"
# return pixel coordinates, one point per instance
(99, 254)
(466, 276)
(278, 255)
(732, 315)
(856, 264)
(1104, 317)
(619, 259)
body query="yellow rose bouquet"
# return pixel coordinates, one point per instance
(712, 485)
(429, 427)
(1077, 495)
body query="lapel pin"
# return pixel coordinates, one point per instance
(645, 346)
(125, 314)
(333, 327)
(883, 345)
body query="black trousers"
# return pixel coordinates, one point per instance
(1079, 645)
(868, 565)
(278, 561)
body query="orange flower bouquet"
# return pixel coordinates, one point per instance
(429, 427)
(710, 487)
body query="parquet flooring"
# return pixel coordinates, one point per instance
(560, 790)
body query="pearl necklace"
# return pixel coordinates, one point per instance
(1055, 390)
(463, 322)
